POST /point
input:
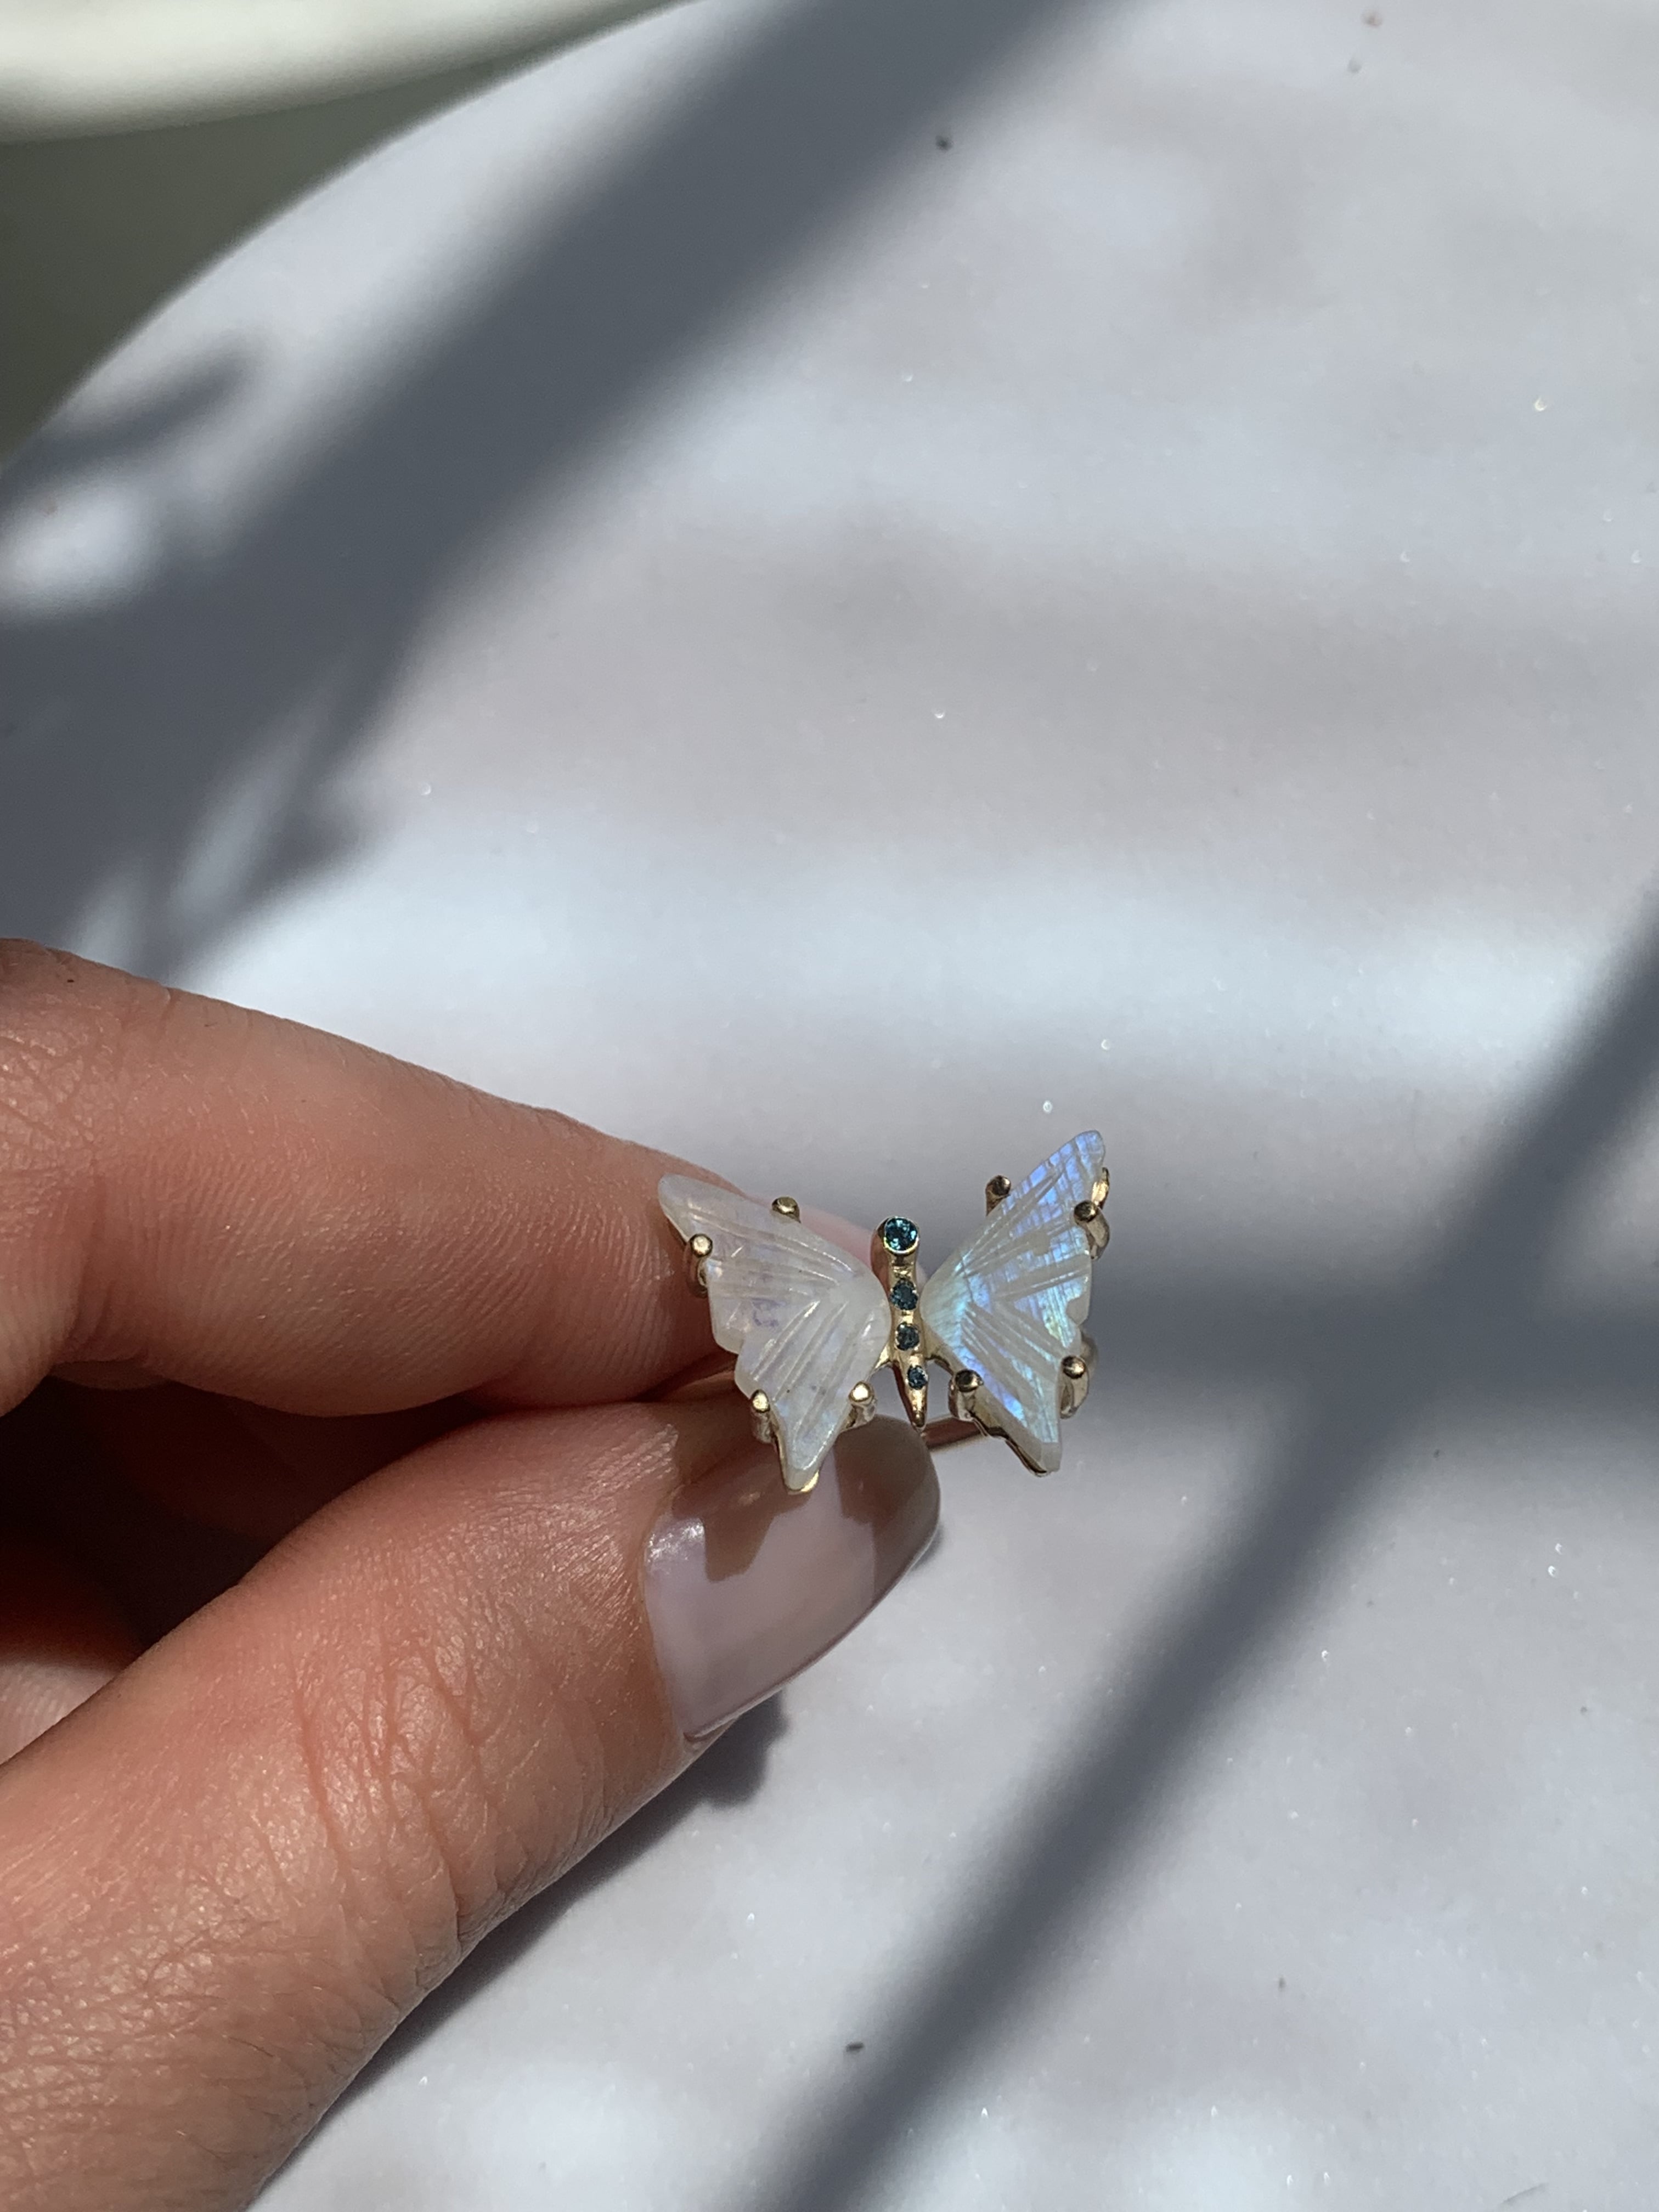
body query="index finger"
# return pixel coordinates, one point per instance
(253, 1207)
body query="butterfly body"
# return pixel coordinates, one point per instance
(810, 1326)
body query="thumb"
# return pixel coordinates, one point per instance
(226, 1878)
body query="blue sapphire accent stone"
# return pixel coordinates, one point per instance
(916, 1377)
(903, 1295)
(907, 1337)
(899, 1234)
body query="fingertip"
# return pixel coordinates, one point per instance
(61, 1639)
(747, 1584)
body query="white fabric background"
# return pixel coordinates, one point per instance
(1142, 618)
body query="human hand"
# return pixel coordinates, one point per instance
(341, 1459)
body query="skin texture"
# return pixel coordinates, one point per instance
(331, 1441)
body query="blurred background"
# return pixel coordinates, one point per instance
(850, 587)
(138, 138)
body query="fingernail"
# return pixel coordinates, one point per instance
(745, 1584)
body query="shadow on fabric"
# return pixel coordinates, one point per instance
(238, 682)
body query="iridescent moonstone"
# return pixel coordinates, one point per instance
(1010, 1303)
(806, 1320)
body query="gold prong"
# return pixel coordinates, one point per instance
(964, 1390)
(801, 1484)
(912, 1395)
(760, 1414)
(699, 1251)
(862, 1399)
(1092, 1222)
(789, 1207)
(1073, 1384)
(995, 1191)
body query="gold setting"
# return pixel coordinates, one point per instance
(968, 1401)
(1076, 1373)
(892, 1271)
(759, 1411)
(973, 1412)
(970, 1405)
(1091, 1221)
(964, 1389)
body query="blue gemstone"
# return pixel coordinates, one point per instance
(908, 1336)
(903, 1295)
(916, 1377)
(899, 1234)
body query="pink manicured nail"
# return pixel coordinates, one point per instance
(745, 1584)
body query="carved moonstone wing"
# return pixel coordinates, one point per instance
(806, 1320)
(1012, 1302)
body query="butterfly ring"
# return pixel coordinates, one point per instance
(811, 1325)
